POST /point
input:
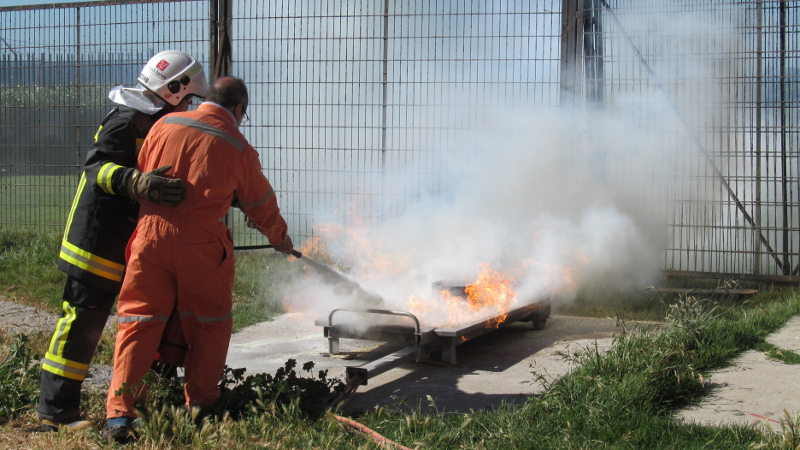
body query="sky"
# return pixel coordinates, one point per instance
(34, 2)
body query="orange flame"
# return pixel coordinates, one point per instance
(489, 298)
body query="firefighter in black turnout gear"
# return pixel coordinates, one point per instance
(100, 223)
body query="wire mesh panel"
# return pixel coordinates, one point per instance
(724, 74)
(359, 109)
(57, 64)
(348, 97)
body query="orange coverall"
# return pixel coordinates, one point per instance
(184, 253)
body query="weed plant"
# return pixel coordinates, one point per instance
(248, 407)
(242, 396)
(19, 378)
(787, 438)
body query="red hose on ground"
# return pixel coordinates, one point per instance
(374, 435)
(766, 418)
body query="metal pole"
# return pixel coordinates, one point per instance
(784, 159)
(213, 41)
(385, 100)
(593, 51)
(570, 49)
(384, 112)
(78, 86)
(759, 106)
(220, 51)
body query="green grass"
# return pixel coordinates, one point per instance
(778, 354)
(651, 305)
(37, 201)
(28, 272)
(260, 277)
(624, 398)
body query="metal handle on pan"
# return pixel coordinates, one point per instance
(387, 312)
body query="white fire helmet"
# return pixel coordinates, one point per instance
(173, 75)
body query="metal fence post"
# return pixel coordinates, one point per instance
(220, 39)
(78, 85)
(571, 51)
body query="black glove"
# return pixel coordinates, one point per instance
(156, 188)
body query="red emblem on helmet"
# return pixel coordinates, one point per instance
(162, 65)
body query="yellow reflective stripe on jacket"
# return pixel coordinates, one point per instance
(91, 263)
(97, 135)
(104, 177)
(75, 201)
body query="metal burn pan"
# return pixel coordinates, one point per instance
(411, 333)
(421, 341)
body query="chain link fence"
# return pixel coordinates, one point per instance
(57, 64)
(361, 109)
(727, 73)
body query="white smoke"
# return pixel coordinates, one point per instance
(564, 201)
(538, 207)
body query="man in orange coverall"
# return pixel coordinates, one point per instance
(184, 253)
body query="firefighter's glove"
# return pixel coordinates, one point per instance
(285, 247)
(155, 187)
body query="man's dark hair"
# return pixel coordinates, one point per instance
(228, 92)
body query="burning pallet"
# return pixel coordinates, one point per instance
(421, 342)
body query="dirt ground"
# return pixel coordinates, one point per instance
(502, 366)
(507, 365)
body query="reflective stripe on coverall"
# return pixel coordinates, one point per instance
(185, 253)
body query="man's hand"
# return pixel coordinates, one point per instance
(237, 204)
(285, 247)
(248, 223)
(155, 187)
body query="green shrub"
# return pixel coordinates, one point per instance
(19, 379)
(258, 393)
(254, 395)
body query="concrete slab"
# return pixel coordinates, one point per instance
(754, 389)
(501, 366)
(505, 365)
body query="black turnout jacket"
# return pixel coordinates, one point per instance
(103, 216)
